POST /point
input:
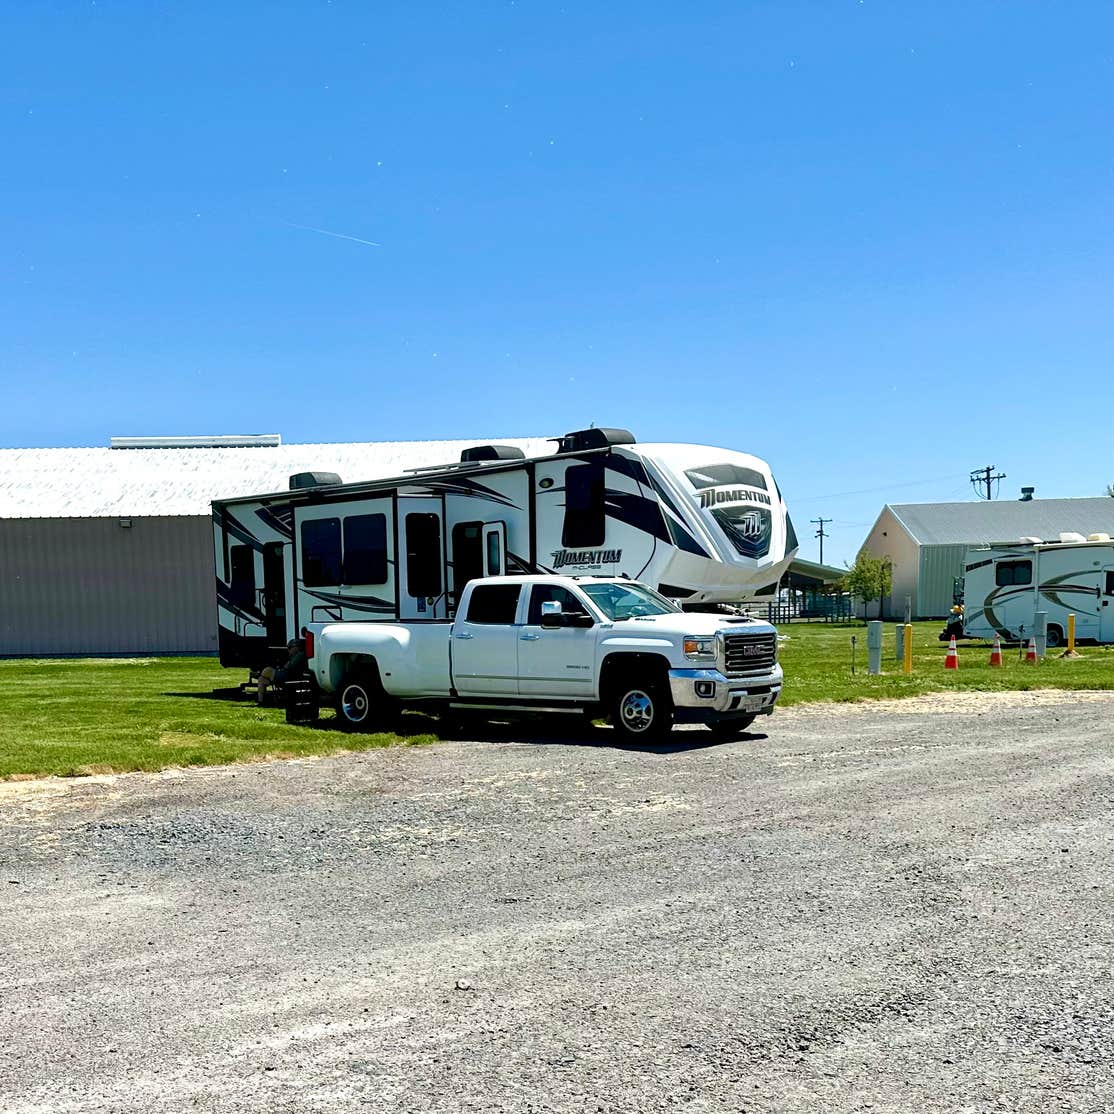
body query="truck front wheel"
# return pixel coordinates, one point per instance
(641, 711)
(362, 705)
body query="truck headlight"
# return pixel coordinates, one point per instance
(700, 646)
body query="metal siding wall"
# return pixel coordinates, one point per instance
(939, 564)
(90, 586)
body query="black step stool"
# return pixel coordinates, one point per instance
(300, 699)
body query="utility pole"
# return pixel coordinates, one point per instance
(820, 534)
(984, 477)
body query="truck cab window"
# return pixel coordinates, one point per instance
(321, 564)
(423, 555)
(584, 526)
(494, 603)
(365, 549)
(547, 593)
(1008, 573)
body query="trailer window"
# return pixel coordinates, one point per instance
(1008, 573)
(584, 525)
(365, 549)
(724, 475)
(423, 555)
(1110, 584)
(321, 564)
(241, 581)
(494, 603)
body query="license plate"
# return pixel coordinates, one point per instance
(752, 703)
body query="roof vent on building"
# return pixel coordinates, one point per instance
(476, 453)
(219, 441)
(1027, 494)
(594, 438)
(302, 480)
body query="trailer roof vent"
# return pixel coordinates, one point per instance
(1027, 494)
(594, 438)
(1070, 537)
(477, 453)
(1102, 537)
(302, 480)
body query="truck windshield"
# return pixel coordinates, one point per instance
(626, 601)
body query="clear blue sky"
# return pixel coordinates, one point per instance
(871, 242)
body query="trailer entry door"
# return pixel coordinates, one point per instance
(274, 594)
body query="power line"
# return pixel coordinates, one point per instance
(820, 534)
(871, 490)
(982, 477)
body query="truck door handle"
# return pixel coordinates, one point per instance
(529, 637)
(463, 634)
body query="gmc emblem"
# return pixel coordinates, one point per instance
(753, 651)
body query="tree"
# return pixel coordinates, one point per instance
(870, 578)
(1110, 490)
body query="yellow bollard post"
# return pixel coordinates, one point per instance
(908, 647)
(1070, 651)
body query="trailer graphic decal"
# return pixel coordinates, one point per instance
(585, 558)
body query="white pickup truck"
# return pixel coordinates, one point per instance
(586, 646)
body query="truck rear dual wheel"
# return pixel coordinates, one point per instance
(362, 705)
(641, 711)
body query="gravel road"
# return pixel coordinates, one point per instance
(849, 909)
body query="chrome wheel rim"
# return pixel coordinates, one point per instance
(636, 711)
(354, 704)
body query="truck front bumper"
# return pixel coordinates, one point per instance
(706, 695)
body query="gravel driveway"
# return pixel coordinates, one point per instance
(849, 909)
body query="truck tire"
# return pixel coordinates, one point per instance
(641, 711)
(1054, 636)
(362, 705)
(731, 728)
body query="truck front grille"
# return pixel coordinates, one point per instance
(748, 653)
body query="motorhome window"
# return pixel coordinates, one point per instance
(1008, 573)
(321, 564)
(365, 549)
(1110, 584)
(423, 555)
(627, 601)
(725, 475)
(494, 603)
(584, 506)
(494, 554)
(467, 554)
(552, 593)
(241, 583)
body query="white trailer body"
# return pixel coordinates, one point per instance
(1005, 586)
(699, 524)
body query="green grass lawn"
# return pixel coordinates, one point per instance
(98, 715)
(84, 716)
(816, 658)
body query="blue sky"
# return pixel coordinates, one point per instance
(869, 242)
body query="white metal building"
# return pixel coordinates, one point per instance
(109, 550)
(926, 542)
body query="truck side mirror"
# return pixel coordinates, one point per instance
(552, 615)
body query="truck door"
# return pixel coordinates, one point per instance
(422, 588)
(555, 662)
(1106, 606)
(485, 642)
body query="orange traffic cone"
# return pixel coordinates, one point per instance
(996, 653)
(1031, 653)
(952, 660)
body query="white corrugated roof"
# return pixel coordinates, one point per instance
(103, 482)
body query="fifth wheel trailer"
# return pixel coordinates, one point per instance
(699, 524)
(1005, 586)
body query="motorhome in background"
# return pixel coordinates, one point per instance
(701, 524)
(1005, 586)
